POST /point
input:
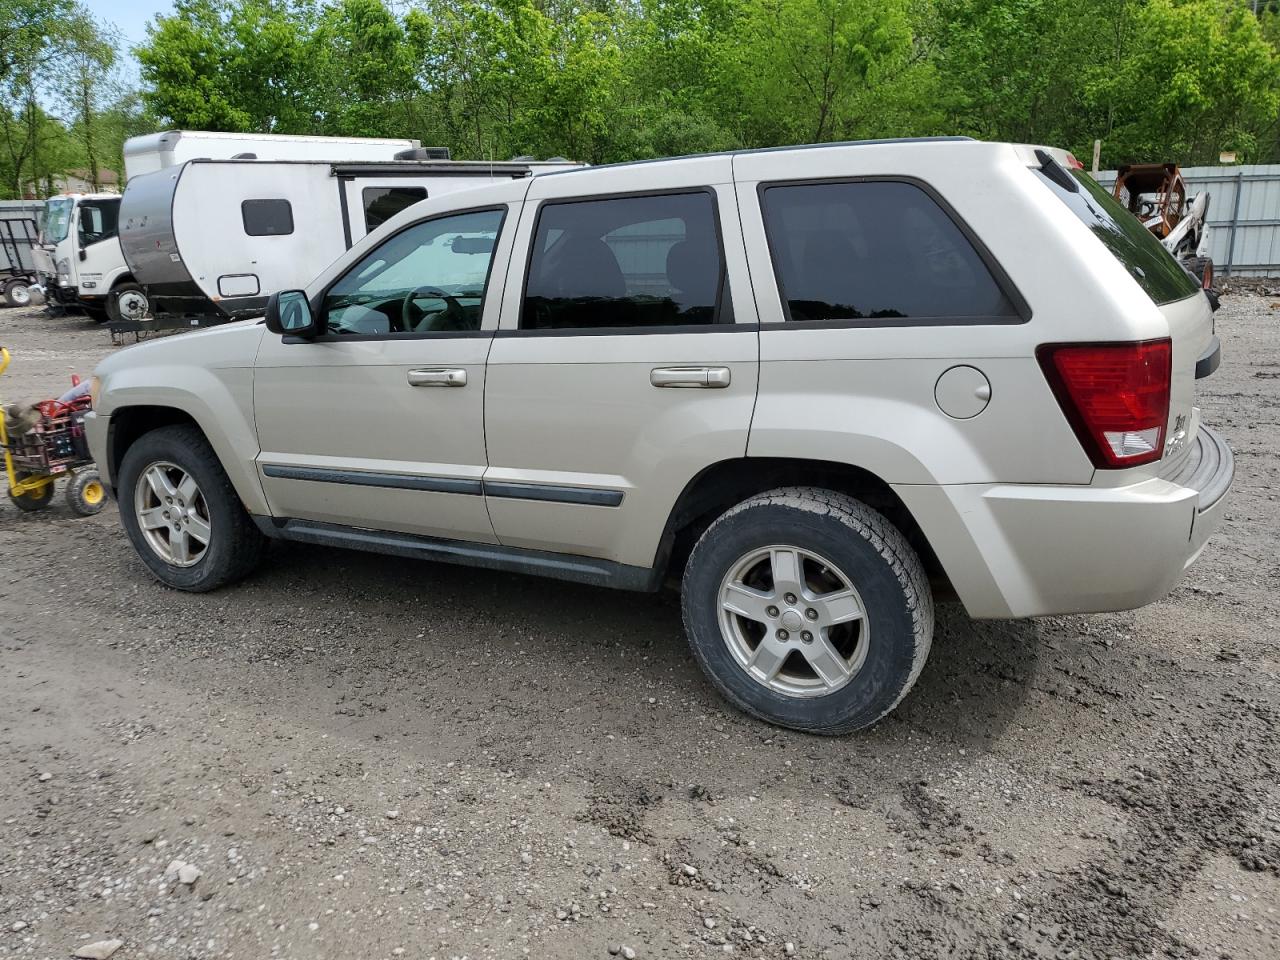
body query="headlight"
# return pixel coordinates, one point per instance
(64, 268)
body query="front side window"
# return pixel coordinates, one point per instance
(383, 203)
(428, 278)
(267, 218)
(98, 221)
(624, 262)
(875, 251)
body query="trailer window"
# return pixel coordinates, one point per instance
(383, 203)
(267, 218)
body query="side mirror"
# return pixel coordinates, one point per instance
(289, 315)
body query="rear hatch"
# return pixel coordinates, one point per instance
(1171, 288)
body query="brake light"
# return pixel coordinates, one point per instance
(1115, 395)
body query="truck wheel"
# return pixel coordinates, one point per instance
(33, 500)
(127, 302)
(17, 293)
(85, 493)
(808, 609)
(182, 513)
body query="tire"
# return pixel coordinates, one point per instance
(86, 494)
(135, 291)
(1198, 267)
(848, 551)
(17, 293)
(34, 500)
(96, 314)
(234, 545)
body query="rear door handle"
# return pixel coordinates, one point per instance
(704, 377)
(438, 377)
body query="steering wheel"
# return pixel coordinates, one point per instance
(453, 309)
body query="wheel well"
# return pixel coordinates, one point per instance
(128, 424)
(123, 278)
(724, 484)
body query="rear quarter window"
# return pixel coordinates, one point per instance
(1146, 259)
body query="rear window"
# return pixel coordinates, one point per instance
(1147, 261)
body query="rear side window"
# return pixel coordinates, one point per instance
(267, 218)
(624, 262)
(875, 250)
(1147, 261)
(383, 203)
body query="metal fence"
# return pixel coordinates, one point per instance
(1244, 216)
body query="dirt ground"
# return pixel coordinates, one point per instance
(368, 757)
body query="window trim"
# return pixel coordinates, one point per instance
(317, 303)
(364, 201)
(293, 224)
(1002, 279)
(718, 324)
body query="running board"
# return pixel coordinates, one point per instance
(488, 556)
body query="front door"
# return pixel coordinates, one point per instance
(626, 362)
(378, 422)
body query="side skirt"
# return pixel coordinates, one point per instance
(488, 556)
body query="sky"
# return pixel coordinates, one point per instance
(130, 17)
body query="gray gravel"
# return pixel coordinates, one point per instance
(565, 784)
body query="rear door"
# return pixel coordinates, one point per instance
(626, 360)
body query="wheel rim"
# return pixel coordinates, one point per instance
(21, 294)
(793, 621)
(132, 305)
(172, 514)
(92, 493)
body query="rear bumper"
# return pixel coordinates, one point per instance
(1031, 550)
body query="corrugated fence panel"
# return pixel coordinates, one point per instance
(1244, 215)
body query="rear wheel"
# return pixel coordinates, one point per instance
(85, 493)
(182, 513)
(127, 302)
(808, 609)
(17, 293)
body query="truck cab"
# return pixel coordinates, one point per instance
(77, 253)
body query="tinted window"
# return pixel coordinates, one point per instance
(267, 218)
(428, 278)
(875, 250)
(1147, 261)
(383, 203)
(624, 262)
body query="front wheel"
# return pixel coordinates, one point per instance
(17, 293)
(85, 493)
(182, 513)
(807, 608)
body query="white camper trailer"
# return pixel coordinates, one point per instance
(211, 240)
(78, 255)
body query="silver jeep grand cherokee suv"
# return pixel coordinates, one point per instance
(817, 384)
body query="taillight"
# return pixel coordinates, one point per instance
(1115, 395)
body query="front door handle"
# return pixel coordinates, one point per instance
(438, 377)
(704, 377)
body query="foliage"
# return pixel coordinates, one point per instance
(604, 80)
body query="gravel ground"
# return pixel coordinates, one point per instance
(369, 757)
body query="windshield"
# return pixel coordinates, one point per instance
(56, 220)
(1146, 259)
